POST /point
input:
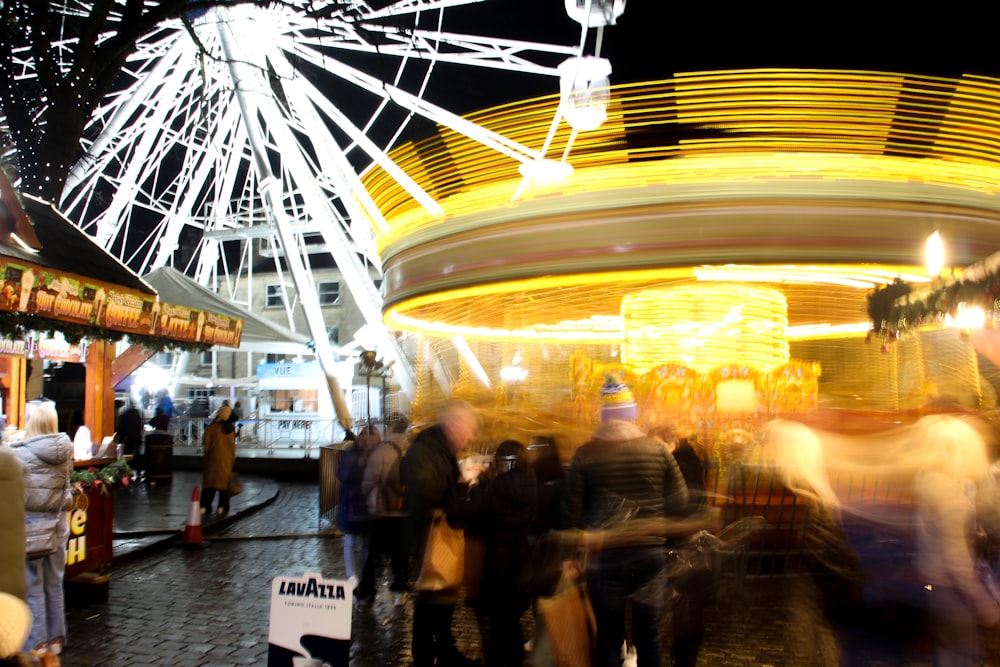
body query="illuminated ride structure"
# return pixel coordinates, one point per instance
(712, 237)
(715, 242)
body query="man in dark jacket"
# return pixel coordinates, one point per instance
(621, 476)
(429, 474)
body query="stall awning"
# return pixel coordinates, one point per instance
(259, 335)
(62, 280)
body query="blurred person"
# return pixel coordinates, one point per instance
(160, 421)
(15, 624)
(849, 575)
(690, 464)
(352, 510)
(695, 589)
(944, 492)
(500, 509)
(12, 547)
(547, 550)
(429, 472)
(163, 412)
(166, 404)
(236, 418)
(868, 545)
(224, 404)
(399, 425)
(46, 456)
(621, 475)
(383, 492)
(543, 456)
(130, 434)
(218, 458)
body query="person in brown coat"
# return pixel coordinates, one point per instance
(219, 445)
(11, 525)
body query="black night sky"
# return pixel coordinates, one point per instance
(656, 39)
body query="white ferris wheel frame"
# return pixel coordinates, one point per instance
(271, 168)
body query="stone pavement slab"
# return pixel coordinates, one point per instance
(148, 516)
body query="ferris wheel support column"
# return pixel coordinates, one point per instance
(270, 189)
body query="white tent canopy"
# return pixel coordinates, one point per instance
(259, 335)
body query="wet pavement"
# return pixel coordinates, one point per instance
(174, 605)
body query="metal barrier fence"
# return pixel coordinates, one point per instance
(269, 434)
(793, 535)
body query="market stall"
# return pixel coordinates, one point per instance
(64, 299)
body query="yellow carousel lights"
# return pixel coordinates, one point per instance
(704, 327)
(742, 126)
(803, 186)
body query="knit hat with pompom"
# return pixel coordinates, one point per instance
(617, 401)
(15, 624)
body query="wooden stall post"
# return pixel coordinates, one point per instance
(99, 396)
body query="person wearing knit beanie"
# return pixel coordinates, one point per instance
(15, 624)
(617, 481)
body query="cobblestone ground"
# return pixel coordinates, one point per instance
(211, 607)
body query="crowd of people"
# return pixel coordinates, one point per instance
(613, 521)
(629, 502)
(35, 500)
(617, 509)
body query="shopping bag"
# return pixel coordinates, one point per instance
(443, 564)
(235, 484)
(569, 623)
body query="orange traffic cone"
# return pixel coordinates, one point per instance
(192, 531)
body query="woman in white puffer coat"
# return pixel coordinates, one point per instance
(47, 459)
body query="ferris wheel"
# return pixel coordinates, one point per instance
(246, 126)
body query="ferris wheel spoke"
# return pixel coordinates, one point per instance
(116, 119)
(410, 7)
(420, 106)
(457, 48)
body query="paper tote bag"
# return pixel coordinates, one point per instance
(570, 625)
(443, 565)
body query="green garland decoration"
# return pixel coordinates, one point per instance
(897, 307)
(105, 478)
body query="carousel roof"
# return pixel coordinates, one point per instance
(259, 334)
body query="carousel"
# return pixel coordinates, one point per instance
(731, 244)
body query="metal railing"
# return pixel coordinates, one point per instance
(270, 434)
(794, 535)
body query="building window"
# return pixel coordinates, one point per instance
(206, 358)
(328, 293)
(164, 358)
(274, 358)
(273, 298)
(333, 334)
